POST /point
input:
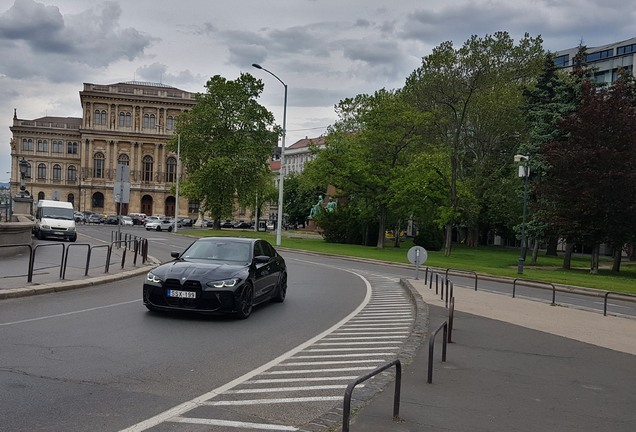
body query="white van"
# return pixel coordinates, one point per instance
(55, 219)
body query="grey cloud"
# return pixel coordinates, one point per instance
(362, 23)
(158, 72)
(312, 97)
(34, 34)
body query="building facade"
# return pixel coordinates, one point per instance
(606, 59)
(75, 159)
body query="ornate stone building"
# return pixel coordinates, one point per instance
(75, 159)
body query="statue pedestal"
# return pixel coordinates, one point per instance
(311, 227)
(23, 205)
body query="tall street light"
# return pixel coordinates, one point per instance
(282, 154)
(523, 172)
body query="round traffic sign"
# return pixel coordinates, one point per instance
(417, 255)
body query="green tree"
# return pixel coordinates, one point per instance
(298, 197)
(369, 150)
(590, 194)
(473, 90)
(226, 141)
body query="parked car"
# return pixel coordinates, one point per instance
(218, 275)
(159, 225)
(209, 224)
(126, 221)
(95, 219)
(241, 225)
(227, 224)
(185, 222)
(112, 220)
(79, 217)
(138, 220)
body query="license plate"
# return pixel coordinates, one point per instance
(182, 294)
(57, 233)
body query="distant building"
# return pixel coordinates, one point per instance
(75, 159)
(607, 59)
(298, 154)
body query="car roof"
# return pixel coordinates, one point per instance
(230, 239)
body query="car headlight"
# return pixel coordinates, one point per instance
(152, 278)
(71, 228)
(227, 283)
(45, 227)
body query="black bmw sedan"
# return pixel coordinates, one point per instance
(218, 275)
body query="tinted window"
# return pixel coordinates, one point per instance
(258, 249)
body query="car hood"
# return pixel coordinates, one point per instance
(200, 271)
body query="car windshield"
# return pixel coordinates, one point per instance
(57, 213)
(217, 251)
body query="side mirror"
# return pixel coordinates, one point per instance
(174, 254)
(261, 259)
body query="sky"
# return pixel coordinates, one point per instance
(324, 50)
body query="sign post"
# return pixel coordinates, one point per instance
(417, 255)
(121, 192)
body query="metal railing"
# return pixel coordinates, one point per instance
(613, 292)
(32, 260)
(514, 286)
(431, 349)
(30, 267)
(451, 317)
(88, 254)
(346, 407)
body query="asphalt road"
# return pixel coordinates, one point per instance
(96, 359)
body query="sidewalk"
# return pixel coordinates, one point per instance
(47, 265)
(514, 365)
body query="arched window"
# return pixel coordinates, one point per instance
(152, 120)
(98, 165)
(43, 146)
(57, 172)
(104, 122)
(58, 146)
(71, 198)
(128, 119)
(40, 196)
(97, 117)
(146, 121)
(41, 171)
(169, 124)
(123, 159)
(147, 163)
(122, 118)
(72, 147)
(171, 169)
(28, 173)
(98, 200)
(27, 145)
(71, 175)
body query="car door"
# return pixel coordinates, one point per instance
(273, 269)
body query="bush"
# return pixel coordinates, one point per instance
(347, 225)
(430, 237)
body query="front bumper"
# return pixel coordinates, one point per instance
(59, 233)
(221, 301)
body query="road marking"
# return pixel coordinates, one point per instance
(331, 362)
(69, 313)
(280, 389)
(285, 372)
(345, 355)
(227, 423)
(273, 401)
(288, 380)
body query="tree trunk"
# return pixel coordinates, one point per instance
(449, 238)
(552, 246)
(535, 252)
(472, 237)
(594, 261)
(396, 236)
(567, 259)
(618, 253)
(381, 229)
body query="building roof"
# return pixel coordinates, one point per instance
(145, 84)
(67, 120)
(305, 142)
(274, 165)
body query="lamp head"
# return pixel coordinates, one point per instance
(24, 166)
(519, 158)
(257, 66)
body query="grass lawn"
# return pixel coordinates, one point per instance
(491, 260)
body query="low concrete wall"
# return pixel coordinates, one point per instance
(18, 232)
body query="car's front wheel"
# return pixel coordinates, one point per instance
(246, 302)
(158, 228)
(170, 229)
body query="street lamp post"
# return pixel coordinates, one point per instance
(24, 166)
(282, 154)
(526, 174)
